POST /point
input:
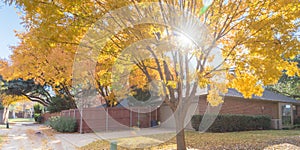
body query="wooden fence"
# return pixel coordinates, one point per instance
(109, 119)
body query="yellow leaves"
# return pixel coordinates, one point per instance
(291, 72)
(214, 98)
(197, 52)
(204, 77)
(111, 99)
(203, 82)
(258, 42)
(292, 69)
(244, 32)
(10, 99)
(47, 64)
(3, 65)
(247, 84)
(217, 90)
(52, 44)
(211, 58)
(57, 83)
(172, 84)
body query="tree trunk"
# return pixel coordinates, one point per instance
(180, 139)
(5, 114)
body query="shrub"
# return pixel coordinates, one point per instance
(63, 124)
(1, 106)
(37, 108)
(36, 115)
(38, 118)
(230, 123)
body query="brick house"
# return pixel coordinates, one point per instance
(282, 109)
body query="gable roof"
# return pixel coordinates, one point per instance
(267, 96)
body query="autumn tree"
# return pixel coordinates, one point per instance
(31, 89)
(288, 85)
(256, 38)
(249, 34)
(7, 100)
(48, 46)
(33, 66)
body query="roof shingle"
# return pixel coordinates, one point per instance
(267, 95)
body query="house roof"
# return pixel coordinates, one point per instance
(267, 96)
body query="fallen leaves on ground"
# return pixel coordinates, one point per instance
(284, 146)
(215, 141)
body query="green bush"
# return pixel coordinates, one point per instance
(38, 118)
(230, 123)
(1, 106)
(63, 124)
(37, 108)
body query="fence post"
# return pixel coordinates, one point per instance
(150, 117)
(81, 112)
(130, 117)
(156, 114)
(74, 112)
(139, 122)
(106, 120)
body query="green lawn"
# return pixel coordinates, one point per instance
(232, 140)
(20, 120)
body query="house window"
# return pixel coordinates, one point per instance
(295, 111)
(286, 115)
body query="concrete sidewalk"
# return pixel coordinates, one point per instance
(27, 135)
(73, 141)
(24, 135)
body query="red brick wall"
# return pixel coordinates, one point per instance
(235, 105)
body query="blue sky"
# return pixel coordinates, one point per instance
(9, 21)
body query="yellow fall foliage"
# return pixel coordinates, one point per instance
(257, 42)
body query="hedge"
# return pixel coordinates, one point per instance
(38, 118)
(231, 123)
(63, 124)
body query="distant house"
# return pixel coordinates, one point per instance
(282, 109)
